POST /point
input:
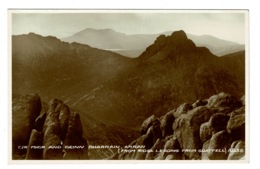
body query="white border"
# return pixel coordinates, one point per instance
(162, 4)
(124, 11)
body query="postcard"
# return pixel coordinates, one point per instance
(120, 85)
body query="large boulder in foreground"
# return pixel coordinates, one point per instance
(35, 148)
(223, 100)
(206, 131)
(236, 124)
(159, 145)
(63, 133)
(166, 124)
(219, 145)
(75, 146)
(218, 121)
(182, 109)
(172, 150)
(205, 148)
(52, 131)
(203, 130)
(25, 109)
(150, 121)
(39, 122)
(187, 130)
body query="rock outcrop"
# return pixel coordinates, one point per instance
(186, 129)
(152, 120)
(223, 100)
(212, 129)
(166, 124)
(25, 109)
(34, 152)
(54, 134)
(63, 132)
(218, 146)
(75, 139)
(236, 124)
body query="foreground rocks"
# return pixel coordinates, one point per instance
(210, 129)
(25, 109)
(54, 134)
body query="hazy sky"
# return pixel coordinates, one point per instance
(224, 25)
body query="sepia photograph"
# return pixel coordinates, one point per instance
(129, 85)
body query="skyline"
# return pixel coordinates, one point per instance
(221, 24)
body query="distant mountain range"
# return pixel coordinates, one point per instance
(134, 45)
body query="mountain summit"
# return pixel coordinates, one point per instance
(176, 41)
(171, 46)
(179, 36)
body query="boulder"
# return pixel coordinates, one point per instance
(25, 109)
(152, 120)
(223, 100)
(218, 121)
(52, 142)
(153, 133)
(205, 148)
(236, 124)
(52, 131)
(172, 150)
(182, 109)
(224, 110)
(187, 130)
(206, 131)
(64, 120)
(237, 150)
(58, 133)
(219, 145)
(199, 103)
(35, 148)
(238, 111)
(140, 154)
(166, 124)
(75, 146)
(39, 122)
(149, 141)
(159, 144)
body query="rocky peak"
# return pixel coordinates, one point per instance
(175, 44)
(179, 36)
